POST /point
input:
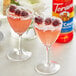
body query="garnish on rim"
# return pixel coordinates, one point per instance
(12, 8)
(39, 20)
(18, 12)
(56, 22)
(48, 21)
(24, 13)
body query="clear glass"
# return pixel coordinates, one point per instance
(43, 33)
(19, 54)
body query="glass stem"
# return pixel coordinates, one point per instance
(19, 47)
(47, 55)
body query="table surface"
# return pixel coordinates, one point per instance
(64, 54)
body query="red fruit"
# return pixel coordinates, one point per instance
(12, 8)
(56, 22)
(48, 21)
(24, 13)
(39, 20)
(18, 12)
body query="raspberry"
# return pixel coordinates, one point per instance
(12, 8)
(48, 21)
(38, 20)
(18, 12)
(56, 22)
(24, 13)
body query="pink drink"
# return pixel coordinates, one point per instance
(48, 33)
(18, 25)
(47, 29)
(20, 19)
(48, 37)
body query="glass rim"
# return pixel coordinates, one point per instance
(9, 14)
(48, 27)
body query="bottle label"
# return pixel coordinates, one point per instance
(64, 10)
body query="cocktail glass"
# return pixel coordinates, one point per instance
(48, 30)
(19, 19)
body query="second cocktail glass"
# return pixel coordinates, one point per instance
(48, 30)
(19, 19)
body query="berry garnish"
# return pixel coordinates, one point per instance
(48, 21)
(12, 8)
(38, 20)
(24, 13)
(56, 22)
(18, 12)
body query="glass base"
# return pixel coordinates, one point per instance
(15, 56)
(47, 69)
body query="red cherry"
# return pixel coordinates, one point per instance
(48, 21)
(12, 8)
(24, 13)
(56, 22)
(18, 12)
(39, 20)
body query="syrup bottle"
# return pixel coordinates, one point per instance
(64, 9)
